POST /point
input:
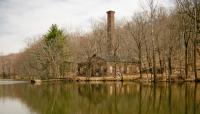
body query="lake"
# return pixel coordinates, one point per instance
(99, 98)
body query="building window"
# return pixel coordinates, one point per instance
(128, 69)
(122, 69)
(111, 69)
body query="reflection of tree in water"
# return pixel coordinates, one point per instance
(96, 93)
(107, 98)
(40, 99)
(99, 92)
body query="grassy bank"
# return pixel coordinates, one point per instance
(134, 78)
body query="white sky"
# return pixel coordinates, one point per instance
(21, 20)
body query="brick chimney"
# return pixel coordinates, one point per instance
(110, 31)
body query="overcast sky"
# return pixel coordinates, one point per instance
(21, 20)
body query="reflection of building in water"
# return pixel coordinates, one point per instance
(120, 89)
(110, 90)
(97, 92)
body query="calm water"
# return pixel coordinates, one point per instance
(99, 98)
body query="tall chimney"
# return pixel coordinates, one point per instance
(110, 31)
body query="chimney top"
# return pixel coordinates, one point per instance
(110, 11)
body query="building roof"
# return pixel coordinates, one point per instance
(111, 58)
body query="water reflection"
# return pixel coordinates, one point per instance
(13, 106)
(9, 81)
(105, 98)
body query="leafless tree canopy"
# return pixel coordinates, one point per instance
(164, 41)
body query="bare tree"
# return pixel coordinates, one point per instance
(191, 9)
(137, 30)
(152, 6)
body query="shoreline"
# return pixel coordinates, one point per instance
(125, 78)
(117, 79)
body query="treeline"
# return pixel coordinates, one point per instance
(164, 41)
(44, 58)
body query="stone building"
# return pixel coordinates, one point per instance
(99, 66)
(109, 64)
(93, 66)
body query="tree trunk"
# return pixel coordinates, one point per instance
(140, 62)
(195, 48)
(186, 62)
(169, 68)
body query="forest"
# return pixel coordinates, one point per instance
(157, 37)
